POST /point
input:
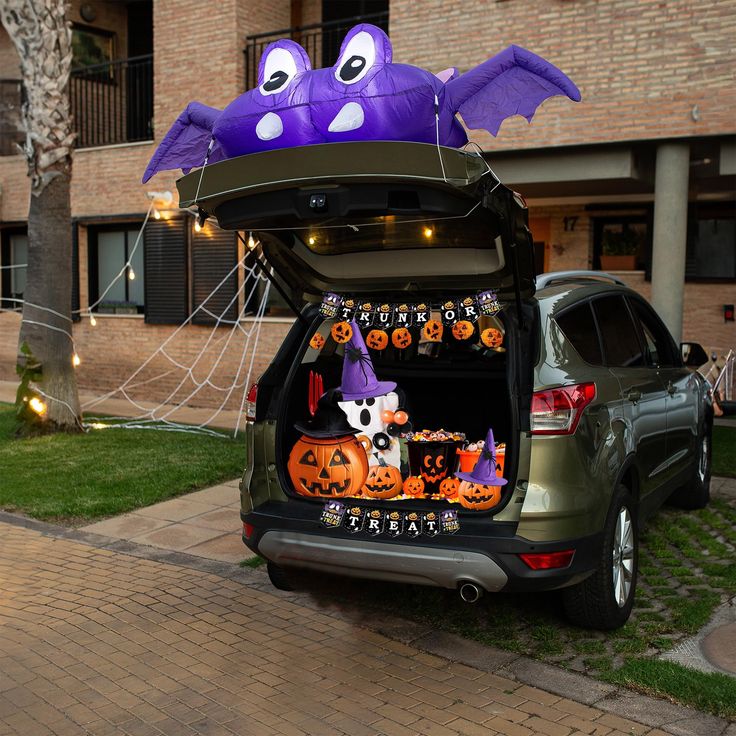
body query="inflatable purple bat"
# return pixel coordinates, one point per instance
(363, 97)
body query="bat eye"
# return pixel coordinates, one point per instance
(358, 56)
(279, 69)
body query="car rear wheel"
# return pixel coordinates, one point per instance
(605, 599)
(696, 494)
(279, 577)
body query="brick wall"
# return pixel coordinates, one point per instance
(641, 65)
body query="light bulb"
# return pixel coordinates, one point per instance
(38, 406)
(312, 240)
(92, 320)
(76, 360)
(156, 214)
(197, 225)
(428, 232)
(251, 242)
(131, 273)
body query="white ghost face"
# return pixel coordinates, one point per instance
(365, 416)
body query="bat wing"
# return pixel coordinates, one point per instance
(514, 82)
(185, 145)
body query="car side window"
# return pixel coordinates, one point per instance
(657, 340)
(621, 346)
(579, 328)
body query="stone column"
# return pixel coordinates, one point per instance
(670, 233)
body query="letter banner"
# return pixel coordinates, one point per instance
(403, 314)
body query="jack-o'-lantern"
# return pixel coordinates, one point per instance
(376, 340)
(433, 331)
(317, 342)
(448, 488)
(477, 496)
(414, 486)
(328, 466)
(383, 481)
(462, 330)
(401, 338)
(341, 332)
(491, 337)
(434, 464)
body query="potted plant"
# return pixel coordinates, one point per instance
(619, 250)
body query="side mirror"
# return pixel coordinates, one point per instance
(693, 354)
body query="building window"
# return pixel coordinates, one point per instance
(91, 46)
(109, 251)
(621, 243)
(14, 255)
(711, 243)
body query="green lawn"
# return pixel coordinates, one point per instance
(724, 451)
(82, 477)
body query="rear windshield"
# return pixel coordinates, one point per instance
(478, 228)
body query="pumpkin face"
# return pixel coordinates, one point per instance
(328, 466)
(317, 342)
(449, 487)
(401, 338)
(477, 496)
(414, 486)
(462, 330)
(492, 338)
(432, 331)
(377, 340)
(383, 481)
(341, 332)
(434, 465)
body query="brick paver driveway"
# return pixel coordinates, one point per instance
(95, 641)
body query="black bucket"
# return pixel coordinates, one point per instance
(433, 461)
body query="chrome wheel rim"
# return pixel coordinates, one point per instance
(623, 557)
(703, 463)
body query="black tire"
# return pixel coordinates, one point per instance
(279, 577)
(696, 493)
(592, 604)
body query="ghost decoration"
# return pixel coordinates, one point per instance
(363, 97)
(366, 416)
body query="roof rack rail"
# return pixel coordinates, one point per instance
(560, 277)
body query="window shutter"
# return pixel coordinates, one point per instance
(75, 273)
(165, 243)
(214, 254)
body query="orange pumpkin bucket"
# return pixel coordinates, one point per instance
(468, 459)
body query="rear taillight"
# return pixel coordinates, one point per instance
(247, 530)
(250, 403)
(548, 560)
(558, 410)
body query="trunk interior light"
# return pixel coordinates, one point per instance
(250, 403)
(548, 560)
(558, 410)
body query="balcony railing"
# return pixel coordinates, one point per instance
(113, 102)
(321, 41)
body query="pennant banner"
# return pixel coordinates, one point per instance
(384, 315)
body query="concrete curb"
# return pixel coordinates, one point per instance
(654, 712)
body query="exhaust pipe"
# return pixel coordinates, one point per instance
(470, 592)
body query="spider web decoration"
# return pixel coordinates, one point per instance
(214, 379)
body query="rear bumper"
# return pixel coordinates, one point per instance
(486, 553)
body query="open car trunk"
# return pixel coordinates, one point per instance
(459, 386)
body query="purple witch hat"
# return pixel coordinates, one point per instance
(484, 472)
(358, 377)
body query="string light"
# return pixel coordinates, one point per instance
(251, 241)
(156, 214)
(428, 232)
(312, 240)
(38, 406)
(92, 320)
(197, 225)
(76, 360)
(131, 273)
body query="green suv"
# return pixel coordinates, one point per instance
(600, 418)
